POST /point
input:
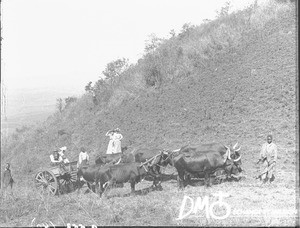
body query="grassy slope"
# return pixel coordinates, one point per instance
(241, 95)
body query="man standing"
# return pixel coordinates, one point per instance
(268, 156)
(83, 157)
(7, 177)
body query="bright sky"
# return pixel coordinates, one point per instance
(67, 43)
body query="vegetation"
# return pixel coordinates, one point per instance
(230, 79)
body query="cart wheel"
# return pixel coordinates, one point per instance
(67, 183)
(46, 180)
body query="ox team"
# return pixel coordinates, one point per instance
(213, 161)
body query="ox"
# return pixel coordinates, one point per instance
(155, 158)
(109, 175)
(88, 173)
(204, 160)
(7, 177)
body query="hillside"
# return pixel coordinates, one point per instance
(228, 80)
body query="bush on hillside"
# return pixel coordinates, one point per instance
(114, 69)
(103, 91)
(59, 105)
(69, 101)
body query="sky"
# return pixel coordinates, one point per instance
(67, 43)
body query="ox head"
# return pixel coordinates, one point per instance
(234, 156)
(99, 160)
(165, 157)
(168, 157)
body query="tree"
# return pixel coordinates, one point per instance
(88, 88)
(172, 33)
(59, 104)
(115, 69)
(186, 28)
(70, 100)
(224, 11)
(152, 43)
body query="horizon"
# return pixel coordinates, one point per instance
(42, 53)
(77, 44)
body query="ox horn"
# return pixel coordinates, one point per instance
(237, 149)
(164, 151)
(235, 145)
(118, 161)
(239, 158)
(228, 152)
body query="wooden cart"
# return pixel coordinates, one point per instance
(58, 179)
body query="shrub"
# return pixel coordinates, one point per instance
(69, 101)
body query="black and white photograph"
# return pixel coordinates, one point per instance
(149, 113)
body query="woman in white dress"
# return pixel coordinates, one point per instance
(117, 137)
(110, 147)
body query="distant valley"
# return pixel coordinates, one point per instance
(25, 107)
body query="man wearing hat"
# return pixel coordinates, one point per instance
(268, 156)
(55, 158)
(83, 157)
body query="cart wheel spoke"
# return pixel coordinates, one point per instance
(56, 180)
(52, 189)
(41, 178)
(46, 180)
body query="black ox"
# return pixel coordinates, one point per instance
(204, 160)
(109, 175)
(88, 174)
(148, 160)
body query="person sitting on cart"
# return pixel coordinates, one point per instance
(61, 152)
(55, 158)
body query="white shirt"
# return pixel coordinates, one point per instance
(83, 156)
(117, 137)
(55, 161)
(62, 155)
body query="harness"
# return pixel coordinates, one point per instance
(144, 168)
(151, 166)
